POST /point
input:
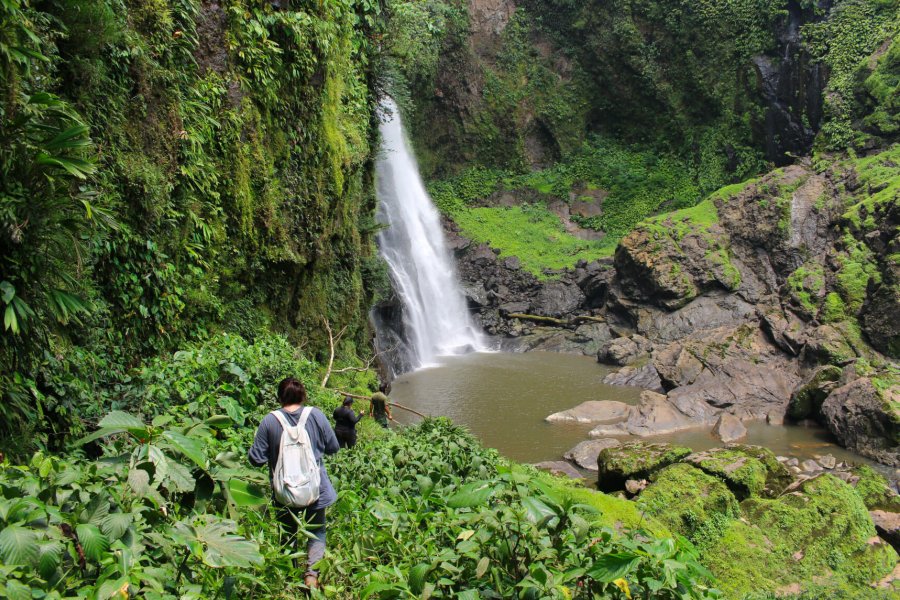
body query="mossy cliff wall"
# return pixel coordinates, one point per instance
(214, 173)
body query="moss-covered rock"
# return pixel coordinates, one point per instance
(816, 539)
(634, 461)
(875, 491)
(690, 502)
(807, 401)
(746, 470)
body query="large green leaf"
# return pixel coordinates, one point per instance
(139, 481)
(92, 540)
(17, 591)
(115, 525)
(118, 422)
(612, 566)
(417, 577)
(179, 478)
(472, 494)
(246, 494)
(189, 447)
(537, 511)
(18, 545)
(222, 548)
(48, 558)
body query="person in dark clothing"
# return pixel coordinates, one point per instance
(265, 450)
(345, 421)
(379, 409)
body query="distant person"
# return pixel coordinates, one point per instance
(301, 487)
(379, 409)
(345, 421)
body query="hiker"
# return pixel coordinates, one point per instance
(378, 407)
(345, 421)
(300, 435)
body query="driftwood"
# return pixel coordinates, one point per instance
(571, 322)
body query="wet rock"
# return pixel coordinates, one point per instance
(775, 417)
(591, 336)
(559, 467)
(827, 344)
(634, 461)
(807, 401)
(866, 419)
(635, 486)
(747, 470)
(652, 415)
(624, 350)
(585, 453)
(828, 461)
(887, 524)
(729, 428)
(593, 411)
(646, 377)
(810, 466)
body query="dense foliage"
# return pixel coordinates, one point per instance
(175, 168)
(158, 502)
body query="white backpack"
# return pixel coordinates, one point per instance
(296, 479)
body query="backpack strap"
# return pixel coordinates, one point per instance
(304, 417)
(292, 430)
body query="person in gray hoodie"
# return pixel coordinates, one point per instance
(265, 450)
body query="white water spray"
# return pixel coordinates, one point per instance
(435, 316)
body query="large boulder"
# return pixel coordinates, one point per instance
(866, 419)
(652, 415)
(817, 540)
(646, 377)
(585, 453)
(593, 411)
(729, 428)
(557, 299)
(624, 350)
(559, 467)
(636, 460)
(746, 470)
(689, 501)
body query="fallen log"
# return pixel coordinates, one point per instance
(571, 322)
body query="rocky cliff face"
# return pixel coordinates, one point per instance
(734, 306)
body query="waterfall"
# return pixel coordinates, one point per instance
(436, 320)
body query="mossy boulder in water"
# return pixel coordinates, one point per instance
(690, 502)
(634, 461)
(747, 470)
(817, 539)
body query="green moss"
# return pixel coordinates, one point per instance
(747, 470)
(875, 490)
(635, 461)
(857, 268)
(806, 284)
(817, 537)
(833, 309)
(612, 511)
(690, 502)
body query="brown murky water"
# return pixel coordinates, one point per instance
(503, 399)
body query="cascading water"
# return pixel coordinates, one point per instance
(435, 318)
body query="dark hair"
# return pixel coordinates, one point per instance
(291, 391)
(383, 388)
(348, 400)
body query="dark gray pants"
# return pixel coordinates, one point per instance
(313, 520)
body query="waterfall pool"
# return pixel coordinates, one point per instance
(503, 399)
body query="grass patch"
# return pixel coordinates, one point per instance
(530, 232)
